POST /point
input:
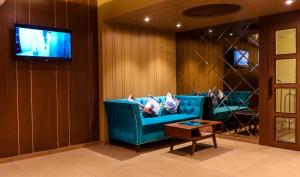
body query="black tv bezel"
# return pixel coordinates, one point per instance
(36, 58)
(230, 58)
(241, 66)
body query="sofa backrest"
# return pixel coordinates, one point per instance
(191, 105)
(238, 98)
(188, 104)
(160, 99)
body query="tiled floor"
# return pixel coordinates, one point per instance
(231, 159)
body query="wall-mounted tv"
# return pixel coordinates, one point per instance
(238, 58)
(34, 42)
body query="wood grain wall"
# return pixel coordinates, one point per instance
(135, 61)
(193, 74)
(48, 105)
(138, 62)
(233, 79)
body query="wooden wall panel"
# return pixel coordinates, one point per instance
(62, 87)
(134, 61)
(43, 102)
(43, 78)
(79, 73)
(138, 62)
(94, 70)
(233, 79)
(24, 91)
(8, 91)
(192, 72)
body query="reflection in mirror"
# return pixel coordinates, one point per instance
(286, 41)
(286, 71)
(285, 130)
(285, 100)
(223, 60)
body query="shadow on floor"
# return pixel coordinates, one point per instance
(122, 151)
(203, 152)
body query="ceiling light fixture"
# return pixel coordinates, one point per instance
(146, 19)
(230, 34)
(178, 25)
(210, 30)
(289, 2)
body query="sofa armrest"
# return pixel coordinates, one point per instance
(124, 122)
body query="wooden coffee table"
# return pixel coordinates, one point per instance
(193, 130)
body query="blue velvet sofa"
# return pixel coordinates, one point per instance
(126, 123)
(237, 100)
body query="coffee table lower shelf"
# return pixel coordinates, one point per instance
(193, 132)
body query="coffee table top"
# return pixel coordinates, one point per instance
(193, 124)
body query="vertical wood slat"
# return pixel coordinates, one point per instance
(23, 70)
(8, 92)
(43, 85)
(144, 62)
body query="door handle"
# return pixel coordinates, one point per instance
(270, 84)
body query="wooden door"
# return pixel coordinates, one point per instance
(283, 113)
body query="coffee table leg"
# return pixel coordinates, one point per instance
(193, 147)
(215, 140)
(172, 144)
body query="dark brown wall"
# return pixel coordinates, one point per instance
(48, 105)
(197, 46)
(193, 74)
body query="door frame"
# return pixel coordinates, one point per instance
(268, 26)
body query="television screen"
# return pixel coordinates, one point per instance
(43, 43)
(241, 58)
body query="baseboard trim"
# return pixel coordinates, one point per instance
(47, 152)
(251, 140)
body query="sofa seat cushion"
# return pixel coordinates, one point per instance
(225, 109)
(167, 119)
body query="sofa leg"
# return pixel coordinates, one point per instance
(137, 148)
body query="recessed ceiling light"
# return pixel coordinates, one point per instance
(289, 2)
(178, 25)
(146, 19)
(210, 30)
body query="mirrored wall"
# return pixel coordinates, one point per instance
(222, 63)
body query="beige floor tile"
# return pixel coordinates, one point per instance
(199, 171)
(10, 170)
(230, 159)
(49, 166)
(127, 171)
(164, 166)
(87, 160)
(234, 161)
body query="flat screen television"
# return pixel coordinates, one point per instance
(238, 58)
(34, 42)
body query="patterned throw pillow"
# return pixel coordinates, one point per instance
(152, 106)
(222, 98)
(171, 104)
(132, 100)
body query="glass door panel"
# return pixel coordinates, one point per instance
(285, 129)
(286, 71)
(286, 41)
(286, 100)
